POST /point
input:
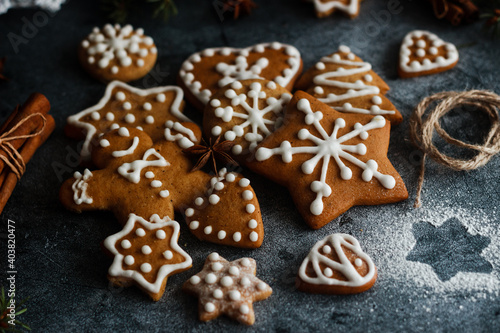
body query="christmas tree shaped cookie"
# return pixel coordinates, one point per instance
(348, 84)
(329, 161)
(337, 265)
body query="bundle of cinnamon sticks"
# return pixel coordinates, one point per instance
(455, 11)
(25, 130)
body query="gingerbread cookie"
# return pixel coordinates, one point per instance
(228, 288)
(245, 112)
(146, 253)
(230, 195)
(117, 53)
(424, 53)
(337, 265)
(136, 176)
(329, 161)
(348, 84)
(203, 73)
(149, 110)
(327, 7)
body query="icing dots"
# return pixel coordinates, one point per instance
(240, 68)
(114, 47)
(139, 264)
(423, 51)
(79, 187)
(256, 113)
(127, 106)
(227, 287)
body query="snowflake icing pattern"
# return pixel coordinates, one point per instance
(240, 71)
(254, 116)
(329, 147)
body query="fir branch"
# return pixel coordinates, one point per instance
(119, 10)
(5, 326)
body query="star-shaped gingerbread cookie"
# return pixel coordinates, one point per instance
(146, 253)
(330, 161)
(126, 106)
(228, 288)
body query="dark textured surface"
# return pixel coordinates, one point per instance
(59, 261)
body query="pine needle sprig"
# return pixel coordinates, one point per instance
(4, 311)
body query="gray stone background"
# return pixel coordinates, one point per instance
(439, 266)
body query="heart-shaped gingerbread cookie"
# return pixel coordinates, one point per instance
(203, 73)
(424, 53)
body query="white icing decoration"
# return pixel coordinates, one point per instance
(252, 224)
(140, 232)
(218, 294)
(147, 106)
(129, 260)
(128, 151)
(149, 120)
(123, 132)
(132, 171)
(209, 307)
(160, 234)
(350, 7)
(77, 120)
(165, 270)
(244, 182)
(195, 279)
(216, 266)
(213, 199)
(164, 193)
(221, 234)
(353, 89)
(146, 249)
(168, 255)
(247, 195)
(210, 278)
(253, 118)
(226, 281)
(250, 208)
(237, 236)
(244, 309)
(344, 266)
(185, 138)
(80, 186)
(117, 43)
(156, 183)
(415, 66)
(328, 147)
(126, 244)
(233, 270)
(245, 262)
(104, 143)
(208, 230)
(213, 256)
(234, 295)
(149, 175)
(240, 69)
(189, 212)
(194, 225)
(254, 236)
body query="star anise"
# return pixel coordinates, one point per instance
(239, 6)
(216, 151)
(2, 62)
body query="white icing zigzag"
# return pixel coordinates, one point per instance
(132, 171)
(326, 148)
(259, 127)
(353, 89)
(80, 187)
(93, 112)
(351, 7)
(345, 266)
(120, 261)
(239, 70)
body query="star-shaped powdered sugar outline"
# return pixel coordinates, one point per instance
(449, 249)
(155, 224)
(207, 283)
(75, 119)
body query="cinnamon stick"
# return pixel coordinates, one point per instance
(9, 179)
(36, 103)
(455, 14)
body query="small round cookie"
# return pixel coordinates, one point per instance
(117, 53)
(337, 265)
(245, 112)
